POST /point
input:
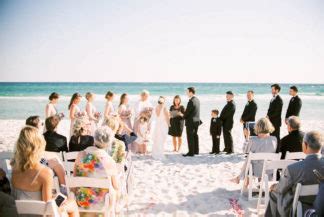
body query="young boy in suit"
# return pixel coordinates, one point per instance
(215, 130)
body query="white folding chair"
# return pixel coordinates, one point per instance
(249, 170)
(68, 165)
(78, 182)
(35, 207)
(53, 155)
(5, 158)
(301, 191)
(295, 155)
(273, 166)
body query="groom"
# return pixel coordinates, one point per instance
(192, 118)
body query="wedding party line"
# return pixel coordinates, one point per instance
(100, 146)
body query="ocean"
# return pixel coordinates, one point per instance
(20, 100)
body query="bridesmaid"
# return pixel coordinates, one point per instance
(109, 109)
(125, 112)
(50, 109)
(177, 122)
(91, 112)
(74, 109)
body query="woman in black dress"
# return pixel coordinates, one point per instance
(176, 122)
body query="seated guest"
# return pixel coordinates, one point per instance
(35, 121)
(30, 179)
(293, 142)
(282, 194)
(80, 139)
(105, 168)
(54, 141)
(262, 143)
(53, 163)
(128, 138)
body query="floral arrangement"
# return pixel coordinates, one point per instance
(85, 197)
(118, 151)
(60, 115)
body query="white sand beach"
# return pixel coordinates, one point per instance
(178, 186)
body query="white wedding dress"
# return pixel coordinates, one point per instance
(160, 134)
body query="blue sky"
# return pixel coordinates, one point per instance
(166, 40)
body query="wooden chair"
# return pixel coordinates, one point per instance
(249, 170)
(273, 166)
(78, 182)
(301, 191)
(35, 207)
(295, 155)
(68, 165)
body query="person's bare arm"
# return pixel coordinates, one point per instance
(46, 179)
(89, 112)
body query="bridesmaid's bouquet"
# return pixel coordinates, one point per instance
(80, 115)
(118, 151)
(60, 115)
(97, 115)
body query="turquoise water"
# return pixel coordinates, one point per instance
(43, 89)
(20, 100)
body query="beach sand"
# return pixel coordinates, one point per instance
(178, 186)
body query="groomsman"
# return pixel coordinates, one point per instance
(249, 112)
(274, 112)
(295, 103)
(226, 116)
(192, 119)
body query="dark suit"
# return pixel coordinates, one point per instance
(55, 142)
(274, 114)
(292, 142)
(226, 116)
(215, 132)
(281, 198)
(192, 119)
(249, 112)
(80, 143)
(294, 107)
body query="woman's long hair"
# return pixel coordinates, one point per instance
(174, 99)
(122, 98)
(74, 97)
(29, 148)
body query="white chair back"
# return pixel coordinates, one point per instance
(274, 166)
(301, 191)
(249, 171)
(5, 158)
(35, 207)
(295, 155)
(68, 165)
(78, 182)
(53, 155)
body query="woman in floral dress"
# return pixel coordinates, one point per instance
(94, 162)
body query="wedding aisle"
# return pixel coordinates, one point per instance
(181, 186)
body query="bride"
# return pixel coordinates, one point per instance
(161, 127)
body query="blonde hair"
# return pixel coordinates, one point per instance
(79, 126)
(29, 148)
(263, 126)
(113, 123)
(88, 95)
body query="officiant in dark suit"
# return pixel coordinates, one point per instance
(227, 116)
(274, 112)
(249, 113)
(295, 103)
(192, 120)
